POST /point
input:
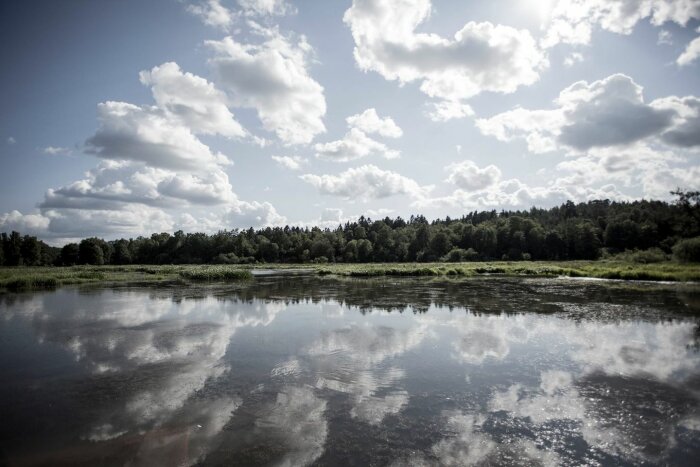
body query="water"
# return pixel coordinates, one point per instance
(305, 370)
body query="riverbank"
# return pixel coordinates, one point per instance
(20, 278)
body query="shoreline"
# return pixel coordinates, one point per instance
(34, 278)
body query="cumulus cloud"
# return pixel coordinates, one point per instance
(131, 221)
(356, 144)
(485, 188)
(290, 162)
(191, 100)
(213, 13)
(655, 172)
(479, 57)
(448, 110)
(266, 7)
(62, 225)
(370, 122)
(211, 189)
(604, 113)
(468, 176)
(146, 134)
(572, 21)
(245, 214)
(691, 52)
(366, 182)
(11, 140)
(32, 224)
(153, 164)
(272, 77)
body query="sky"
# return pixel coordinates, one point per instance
(127, 118)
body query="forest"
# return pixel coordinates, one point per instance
(647, 231)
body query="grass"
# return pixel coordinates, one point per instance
(664, 271)
(27, 278)
(215, 273)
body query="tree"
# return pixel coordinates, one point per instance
(364, 250)
(30, 250)
(484, 240)
(90, 252)
(687, 250)
(122, 254)
(70, 254)
(12, 245)
(322, 248)
(440, 244)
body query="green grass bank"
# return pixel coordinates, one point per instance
(24, 278)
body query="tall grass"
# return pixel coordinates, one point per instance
(24, 278)
(215, 273)
(612, 269)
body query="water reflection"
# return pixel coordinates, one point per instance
(298, 371)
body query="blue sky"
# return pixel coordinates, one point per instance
(125, 118)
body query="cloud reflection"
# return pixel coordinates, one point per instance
(155, 354)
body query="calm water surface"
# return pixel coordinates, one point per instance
(306, 370)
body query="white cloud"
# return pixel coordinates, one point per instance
(245, 214)
(213, 13)
(30, 224)
(266, 7)
(600, 173)
(213, 188)
(572, 21)
(128, 222)
(272, 77)
(290, 162)
(480, 57)
(57, 150)
(448, 110)
(110, 185)
(334, 215)
(154, 168)
(691, 52)
(11, 140)
(354, 145)
(468, 176)
(369, 122)
(484, 188)
(366, 182)
(191, 101)
(605, 113)
(146, 134)
(685, 131)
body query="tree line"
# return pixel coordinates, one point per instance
(567, 232)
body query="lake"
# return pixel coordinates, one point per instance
(306, 370)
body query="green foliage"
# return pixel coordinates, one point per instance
(568, 232)
(458, 255)
(687, 251)
(652, 255)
